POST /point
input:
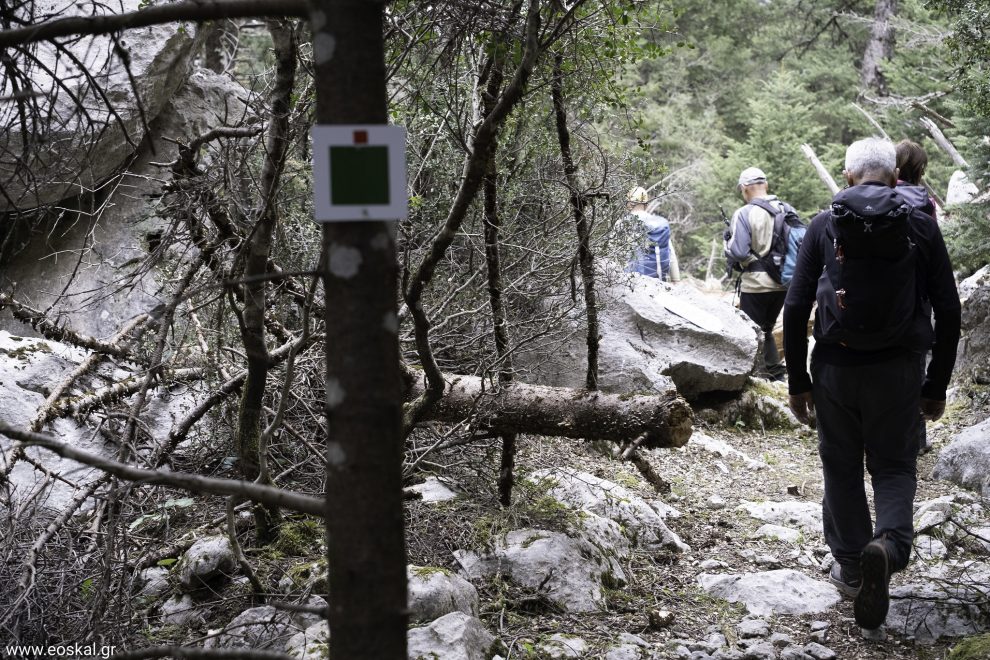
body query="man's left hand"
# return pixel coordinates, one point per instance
(803, 407)
(931, 409)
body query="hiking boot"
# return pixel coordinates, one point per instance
(873, 599)
(840, 578)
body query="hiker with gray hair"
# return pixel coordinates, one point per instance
(747, 243)
(871, 262)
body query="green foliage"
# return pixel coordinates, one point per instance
(965, 237)
(971, 648)
(299, 538)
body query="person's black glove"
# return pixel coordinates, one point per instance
(931, 409)
(726, 235)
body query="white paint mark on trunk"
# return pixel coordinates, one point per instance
(335, 393)
(380, 241)
(324, 45)
(344, 261)
(335, 454)
(391, 323)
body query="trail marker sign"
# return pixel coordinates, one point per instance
(359, 172)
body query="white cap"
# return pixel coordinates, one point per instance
(638, 195)
(751, 175)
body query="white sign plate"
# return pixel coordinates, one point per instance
(359, 172)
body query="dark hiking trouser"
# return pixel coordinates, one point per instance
(763, 309)
(871, 409)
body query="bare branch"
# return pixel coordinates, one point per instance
(267, 495)
(197, 11)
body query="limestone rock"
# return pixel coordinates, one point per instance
(310, 644)
(434, 592)
(961, 190)
(782, 591)
(586, 492)
(151, 582)
(966, 460)
(779, 532)
(455, 636)
(258, 628)
(806, 515)
(433, 490)
(209, 560)
(723, 449)
(645, 346)
(624, 652)
(564, 646)
(181, 610)
(81, 149)
(117, 242)
(568, 571)
(973, 359)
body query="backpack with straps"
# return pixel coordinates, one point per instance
(788, 234)
(868, 293)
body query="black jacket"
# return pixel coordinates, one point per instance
(936, 279)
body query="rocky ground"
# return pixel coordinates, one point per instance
(746, 501)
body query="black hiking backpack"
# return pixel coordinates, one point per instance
(869, 293)
(788, 234)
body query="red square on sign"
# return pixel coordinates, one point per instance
(360, 137)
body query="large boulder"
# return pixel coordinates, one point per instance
(208, 561)
(641, 521)
(950, 602)
(966, 460)
(434, 592)
(103, 284)
(72, 148)
(656, 335)
(455, 636)
(570, 572)
(973, 359)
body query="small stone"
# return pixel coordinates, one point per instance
(794, 490)
(819, 652)
(715, 502)
(780, 640)
(794, 653)
(716, 640)
(729, 654)
(564, 646)
(660, 619)
(768, 560)
(877, 635)
(208, 560)
(753, 628)
(819, 625)
(818, 636)
(635, 640)
(624, 652)
(762, 650)
(712, 564)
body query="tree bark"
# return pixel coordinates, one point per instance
(364, 508)
(664, 419)
(586, 260)
(880, 47)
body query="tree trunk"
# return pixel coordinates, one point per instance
(880, 47)
(664, 419)
(365, 528)
(257, 250)
(586, 260)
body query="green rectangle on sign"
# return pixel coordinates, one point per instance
(359, 175)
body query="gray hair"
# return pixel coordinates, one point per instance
(871, 155)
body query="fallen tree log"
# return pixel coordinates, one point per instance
(663, 420)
